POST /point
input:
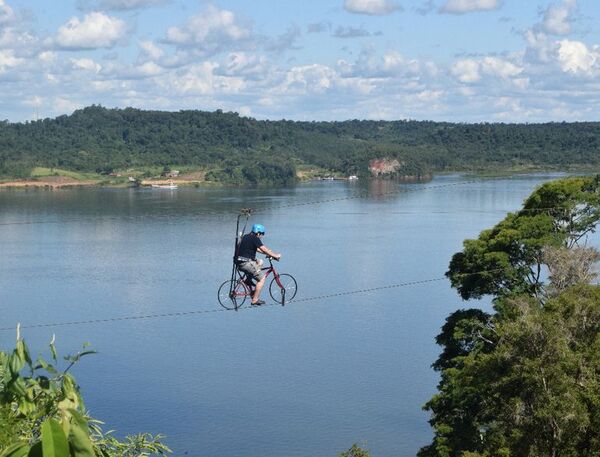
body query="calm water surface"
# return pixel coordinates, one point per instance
(309, 379)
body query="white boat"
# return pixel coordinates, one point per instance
(171, 185)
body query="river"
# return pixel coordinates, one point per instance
(308, 379)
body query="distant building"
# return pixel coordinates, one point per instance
(170, 174)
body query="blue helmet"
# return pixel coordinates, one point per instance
(258, 228)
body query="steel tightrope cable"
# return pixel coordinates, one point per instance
(219, 310)
(119, 318)
(364, 291)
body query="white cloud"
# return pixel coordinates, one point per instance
(466, 91)
(500, 68)
(371, 7)
(211, 31)
(86, 64)
(391, 65)
(34, 102)
(149, 69)
(558, 17)
(7, 14)
(63, 105)
(575, 57)
(118, 71)
(150, 50)
(102, 86)
(521, 83)
(47, 56)
(469, 71)
(245, 111)
(97, 30)
(393, 60)
(244, 64)
(314, 78)
(201, 79)
(8, 60)
(466, 71)
(319, 79)
(266, 101)
(12, 37)
(51, 78)
(469, 6)
(429, 95)
(539, 47)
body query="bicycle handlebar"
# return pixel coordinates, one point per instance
(271, 258)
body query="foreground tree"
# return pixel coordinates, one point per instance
(355, 451)
(42, 412)
(524, 380)
(508, 258)
(528, 383)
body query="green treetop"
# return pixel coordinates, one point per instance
(524, 381)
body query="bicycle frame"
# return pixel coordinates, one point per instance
(270, 269)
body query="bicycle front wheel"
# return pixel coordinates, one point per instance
(232, 294)
(283, 288)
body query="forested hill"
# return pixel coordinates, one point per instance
(240, 149)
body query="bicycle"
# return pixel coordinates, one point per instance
(233, 293)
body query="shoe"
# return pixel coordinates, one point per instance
(258, 303)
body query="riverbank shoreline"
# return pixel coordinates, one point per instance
(197, 179)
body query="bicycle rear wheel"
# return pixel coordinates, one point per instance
(284, 290)
(233, 294)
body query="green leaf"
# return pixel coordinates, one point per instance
(26, 407)
(18, 387)
(53, 349)
(16, 450)
(16, 363)
(81, 354)
(79, 436)
(54, 441)
(23, 352)
(37, 451)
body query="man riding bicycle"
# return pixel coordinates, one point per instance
(246, 259)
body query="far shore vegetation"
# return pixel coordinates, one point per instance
(96, 145)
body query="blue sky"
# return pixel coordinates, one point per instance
(451, 60)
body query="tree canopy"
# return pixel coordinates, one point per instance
(231, 147)
(523, 381)
(508, 258)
